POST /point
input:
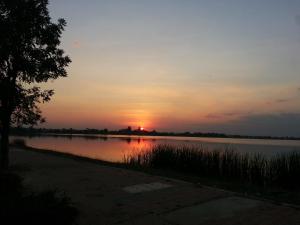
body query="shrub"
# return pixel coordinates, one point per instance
(19, 206)
(19, 142)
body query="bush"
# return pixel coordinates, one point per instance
(18, 206)
(19, 142)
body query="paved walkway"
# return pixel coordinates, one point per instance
(108, 196)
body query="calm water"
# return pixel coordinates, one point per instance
(114, 148)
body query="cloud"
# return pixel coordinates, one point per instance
(213, 116)
(76, 44)
(226, 115)
(297, 19)
(282, 124)
(281, 100)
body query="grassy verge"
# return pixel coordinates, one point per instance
(19, 205)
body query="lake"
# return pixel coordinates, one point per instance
(113, 148)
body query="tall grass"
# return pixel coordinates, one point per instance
(282, 170)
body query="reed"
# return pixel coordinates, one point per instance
(281, 170)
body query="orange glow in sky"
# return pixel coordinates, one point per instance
(193, 66)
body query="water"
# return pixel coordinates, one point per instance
(114, 148)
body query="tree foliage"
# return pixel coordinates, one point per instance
(29, 55)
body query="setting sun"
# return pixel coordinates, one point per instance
(150, 97)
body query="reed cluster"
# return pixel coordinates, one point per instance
(281, 170)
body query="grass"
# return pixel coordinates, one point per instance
(282, 170)
(19, 205)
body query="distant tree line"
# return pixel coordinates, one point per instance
(129, 131)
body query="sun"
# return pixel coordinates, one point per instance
(142, 128)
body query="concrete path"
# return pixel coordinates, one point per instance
(108, 196)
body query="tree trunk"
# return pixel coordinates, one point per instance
(4, 150)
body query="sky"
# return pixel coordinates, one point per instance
(179, 65)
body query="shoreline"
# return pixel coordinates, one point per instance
(151, 135)
(275, 195)
(105, 194)
(209, 140)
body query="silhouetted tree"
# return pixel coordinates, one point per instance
(29, 55)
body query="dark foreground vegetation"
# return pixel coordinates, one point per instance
(282, 170)
(19, 205)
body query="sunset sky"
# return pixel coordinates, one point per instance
(175, 65)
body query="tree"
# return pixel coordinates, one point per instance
(29, 55)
